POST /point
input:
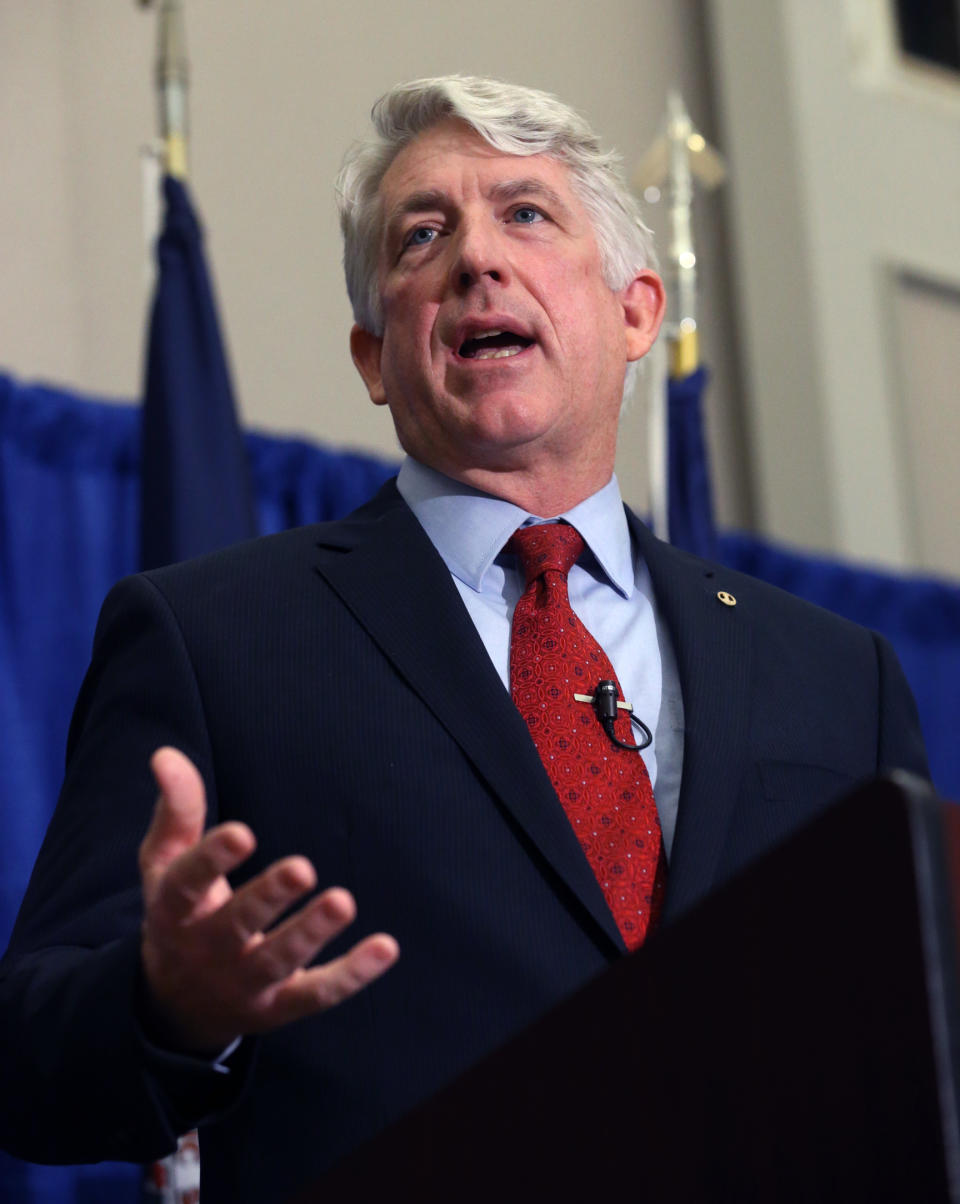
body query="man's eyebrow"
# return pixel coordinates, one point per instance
(529, 186)
(417, 202)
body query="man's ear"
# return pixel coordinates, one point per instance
(365, 349)
(644, 303)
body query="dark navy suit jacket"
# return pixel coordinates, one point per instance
(335, 695)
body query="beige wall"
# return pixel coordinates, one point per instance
(279, 88)
(845, 182)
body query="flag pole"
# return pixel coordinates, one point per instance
(678, 157)
(172, 79)
(172, 76)
(681, 259)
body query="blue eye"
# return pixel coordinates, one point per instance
(527, 215)
(421, 236)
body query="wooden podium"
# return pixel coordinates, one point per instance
(794, 1038)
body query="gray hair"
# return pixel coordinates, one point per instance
(512, 119)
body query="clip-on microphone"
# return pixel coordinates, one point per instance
(605, 701)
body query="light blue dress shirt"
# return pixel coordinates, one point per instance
(609, 587)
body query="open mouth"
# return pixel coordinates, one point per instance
(494, 345)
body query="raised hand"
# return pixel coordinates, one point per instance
(213, 971)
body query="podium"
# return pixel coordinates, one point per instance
(795, 1038)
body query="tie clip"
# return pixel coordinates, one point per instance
(623, 706)
(605, 702)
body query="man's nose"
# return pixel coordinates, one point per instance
(479, 256)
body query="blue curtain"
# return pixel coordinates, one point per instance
(69, 527)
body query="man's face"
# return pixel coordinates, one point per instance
(503, 348)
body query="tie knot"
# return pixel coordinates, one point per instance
(546, 546)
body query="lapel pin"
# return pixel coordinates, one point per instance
(727, 599)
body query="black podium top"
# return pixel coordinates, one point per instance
(792, 1039)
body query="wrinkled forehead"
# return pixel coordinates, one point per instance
(452, 136)
(439, 165)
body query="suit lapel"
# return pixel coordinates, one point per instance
(385, 570)
(712, 644)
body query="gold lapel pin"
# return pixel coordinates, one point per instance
(727, 599)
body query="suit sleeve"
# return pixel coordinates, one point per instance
(80, 1081)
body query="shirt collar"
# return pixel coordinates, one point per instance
(469, 528)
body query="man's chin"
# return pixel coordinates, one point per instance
(507, 447)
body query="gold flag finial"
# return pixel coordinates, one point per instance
(172, 77)
(678, 157)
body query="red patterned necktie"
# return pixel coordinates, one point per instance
(605, 790)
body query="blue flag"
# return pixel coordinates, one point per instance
(195, 487)
(689, 498)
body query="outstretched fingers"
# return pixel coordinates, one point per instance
(218, 962)
(182, 869)
(175, 848)
(261, 901)
(321, 987)
(274, 956)
(195, 884)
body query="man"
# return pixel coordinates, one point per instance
(340, 697)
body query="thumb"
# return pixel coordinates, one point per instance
(177, 822)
